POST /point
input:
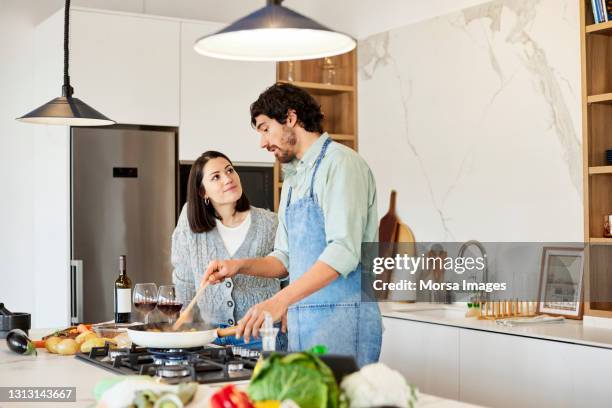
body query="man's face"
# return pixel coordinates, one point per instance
(277, 138)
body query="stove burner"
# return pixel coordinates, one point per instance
(174, 356)
(172, 372)
(235, 367)
(113, 354)
(205, 365)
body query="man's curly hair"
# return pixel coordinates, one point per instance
(276, 101)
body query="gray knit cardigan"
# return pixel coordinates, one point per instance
(227, 302)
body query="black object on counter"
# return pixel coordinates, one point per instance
(206, 365)
(609, 156)
(10, 321)
(341, 365)
(19, 342)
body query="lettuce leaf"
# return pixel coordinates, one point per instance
(301, 377)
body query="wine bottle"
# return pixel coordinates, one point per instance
(123, 293)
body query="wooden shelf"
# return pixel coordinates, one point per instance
(338, 101)
(606, 241)
(601, 98)
(596, 52)
(323, 89)
(601, 28)
(600, 170)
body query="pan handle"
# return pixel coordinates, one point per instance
(227, 331)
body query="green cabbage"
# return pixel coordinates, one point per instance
(301, 377)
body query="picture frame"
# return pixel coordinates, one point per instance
(561, 282)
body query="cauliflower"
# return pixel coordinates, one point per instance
(377, 385)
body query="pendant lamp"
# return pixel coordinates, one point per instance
(66, 110)
(274, 33)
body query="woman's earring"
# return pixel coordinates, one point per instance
(206, 201)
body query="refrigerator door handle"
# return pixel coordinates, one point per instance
(76, 291)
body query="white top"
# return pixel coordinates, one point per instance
(233, 237)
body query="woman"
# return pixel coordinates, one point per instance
(219, 223)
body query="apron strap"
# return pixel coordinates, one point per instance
(314, 173)
(317, 163)
(289, 196)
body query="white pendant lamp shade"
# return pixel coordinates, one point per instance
(274, 33)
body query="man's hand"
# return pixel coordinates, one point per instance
(252, 321)
(218, 270)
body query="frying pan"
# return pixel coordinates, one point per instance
(161, 335)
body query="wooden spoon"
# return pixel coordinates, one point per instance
(187, 311)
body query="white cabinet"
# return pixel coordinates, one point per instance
(500, 370)
(497, 370)
(126, 66)
(215, 99)
(426, 354)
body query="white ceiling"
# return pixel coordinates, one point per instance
(359, 18)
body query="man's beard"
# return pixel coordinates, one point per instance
(288, 139)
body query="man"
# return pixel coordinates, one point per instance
(327, 209)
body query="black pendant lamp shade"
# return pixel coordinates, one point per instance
(274, 33)
(66, 110)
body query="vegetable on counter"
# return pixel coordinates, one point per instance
(300, 377)
(230, 397)
(67, 347)
(19, 342)
(39, 343)
(377, 385)
(83, 342)
(142, 391)
(72, 331)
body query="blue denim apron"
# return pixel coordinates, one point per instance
(334, 316)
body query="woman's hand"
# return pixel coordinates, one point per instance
(218, 270)
(252, 321)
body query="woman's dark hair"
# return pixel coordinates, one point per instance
(276, 101)
(201, 216)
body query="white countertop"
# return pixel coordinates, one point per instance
(568, 331)
(51, 370)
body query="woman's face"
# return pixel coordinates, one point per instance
(221, 182)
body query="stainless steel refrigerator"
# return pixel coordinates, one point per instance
(123, 186)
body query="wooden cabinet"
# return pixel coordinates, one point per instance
(332, 82)
(215, 99)
(596, 47)
(125, 66)
(426, 354)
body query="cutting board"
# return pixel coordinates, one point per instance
(389, 223)
(387, 234)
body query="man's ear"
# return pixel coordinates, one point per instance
(292, 118)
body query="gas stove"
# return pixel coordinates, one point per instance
(205, 365)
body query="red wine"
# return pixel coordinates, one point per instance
(123, 294)
(170, 309)
(145, 307)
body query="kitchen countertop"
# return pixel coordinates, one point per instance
(568, 331)
(51, 370)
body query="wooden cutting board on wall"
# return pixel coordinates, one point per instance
(389, 223)
(390, 232)
(387, 233)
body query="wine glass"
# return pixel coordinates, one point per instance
(167, 302)
(145, 298)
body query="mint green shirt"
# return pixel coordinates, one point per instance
(345, 189)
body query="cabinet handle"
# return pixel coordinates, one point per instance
(76, 291)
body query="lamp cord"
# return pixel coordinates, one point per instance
(66, 88)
